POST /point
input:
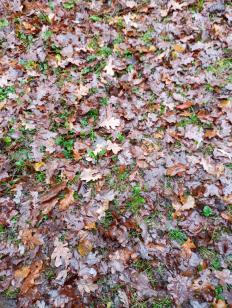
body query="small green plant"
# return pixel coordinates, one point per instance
(26, 39)
(211, 256)
(162, 303)
(104, 101)
(7, 140)
(4, 92)
(97, 156)
(11, 293)
(147, 37)
(207, 211)
(69, 5)
(218, 292)
(120, 137)
(67, 145)
(50, 274)
(136, 200)
(40, 176)
(3, 23)
(95, 18)
(178, 236)
(2, 229)
(107, 220)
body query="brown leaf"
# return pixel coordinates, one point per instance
(179, 48)
(48, 206)
(90, 175)
(176, 169)
(29, 282)
(61, 254)
(84, 247)
(220, 304)
(53, 192)
(22, 273)
(210, 133)
(110, 123)
(187, 247)
(185, 105)
(212, 168)
(30, 238)
(67, 201)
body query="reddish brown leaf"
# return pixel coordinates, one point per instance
(185, 105)
(176, 169)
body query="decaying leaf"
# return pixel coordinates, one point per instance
(67, 201)
(30, 238)
(176, 169)
(84, 247)
(53, 192)
(61, 254)
(187, 204)
(214, 169)
(38, 165)
(90, 175)
(22, 273)
(187, 247)
(114, 147)
(110, 123)
(29, 282)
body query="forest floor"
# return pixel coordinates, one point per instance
(116, 153)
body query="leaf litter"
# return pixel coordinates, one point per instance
(115, 153)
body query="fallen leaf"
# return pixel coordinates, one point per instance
(30, 238)
(90, 175)
(185, 105)
(189, 203)
(84, 247)
(38, 165)
(67, 201)
(220, 304)
(187, 247)
(176, 169)
(49, 205)
(29, 282)
(211, 168)
(53, 192)
(110, 123)
(22, 273)
(114, 147)
(210, 133)
(109, 67)
(61, 254)
(179, 48)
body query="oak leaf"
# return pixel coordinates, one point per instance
(61, 254)
(29, 282)
(176, 169)
(67, 201)
(84, 247)
(110, 123)
(90, 175)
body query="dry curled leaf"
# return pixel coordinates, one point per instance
(22, 273)
(114, 147)
(30, 238)
(53, 192)
(110, 123)
(187, 247)
(84, 247)
(176, 169)
(90, 175)
(67, 201)
(61, 254)
(29, 282)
